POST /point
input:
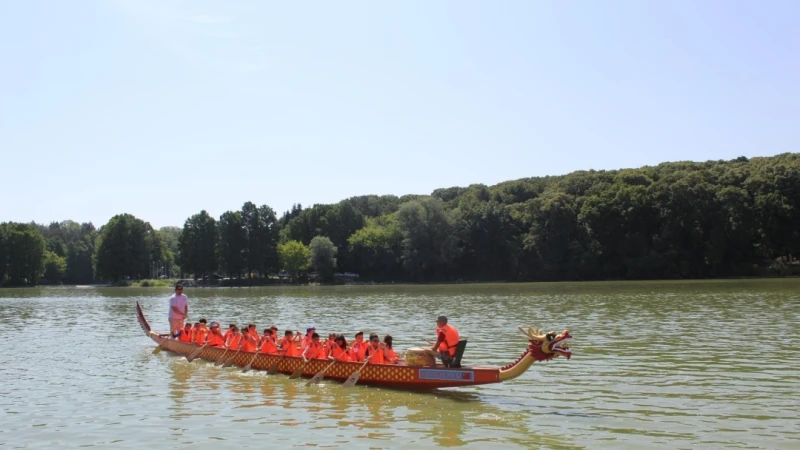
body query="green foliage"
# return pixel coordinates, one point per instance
(377, 248)
(232, 243)
(80, 268)
(429, 246)
(323, 257)
(23, 250)
(55, 267)
(294, 257)
(197, 245)
(125, 248)
(262, 233)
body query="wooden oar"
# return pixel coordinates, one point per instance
(353, 379)
(160, 347)
(222, 358)
(300, 369)
(321, 374)
(229, 362)
(247, 367)
(196, 352)
(273, 369)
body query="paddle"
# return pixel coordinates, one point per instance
(353, 379)
(300, 369)
(320, 375)
(222, 358)
(191, 357)
(273, 369)
(247, 367)
(160, 347)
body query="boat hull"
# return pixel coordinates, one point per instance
(398, 376)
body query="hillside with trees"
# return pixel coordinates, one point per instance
(674, 220)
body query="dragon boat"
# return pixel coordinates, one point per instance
(403, 375)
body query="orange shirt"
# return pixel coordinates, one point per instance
(377, 355)
(450, 339)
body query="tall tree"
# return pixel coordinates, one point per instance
(323, 257)
(232, 243)
(294, 258)
(428, 243)
(124, 249)
(25, 250)
(263, 234)
(198, 244)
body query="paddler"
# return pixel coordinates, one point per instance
(228, 332)
(314, 350)
(391, 356)
(235, 339)
(446, 341)
(375, 350)
(340, 352)
(287, 344)
(201, 332)
(359, 348)
(307, 338)
(215, 338)
(267, 343)
(185, 335)
(249, 342)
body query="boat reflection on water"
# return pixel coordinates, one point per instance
(448, 418)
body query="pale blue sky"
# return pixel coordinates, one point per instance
(163, 108)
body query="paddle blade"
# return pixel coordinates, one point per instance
(221, 358)
(158, 349)
(273, 369)
(297, 372)
(194, 354)
(352, 380)
(316, 378)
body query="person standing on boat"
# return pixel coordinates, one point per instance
(446, 341)
(178, 310)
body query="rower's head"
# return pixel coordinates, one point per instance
(360, 336)
(197, 324)
(374, 339)
(267, 332)
(188, 325)
(288, 333)
(310, 330)
(232, 326)
(441, 321)
(274, 329)
(251, 327)
(214, 327)
(235, 329)
(340, 341)
(388, 340)
(315, 337)
(203, 321)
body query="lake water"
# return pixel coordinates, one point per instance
(704, 364)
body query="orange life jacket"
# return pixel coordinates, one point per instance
(288, 347)
(358, 351)
(450, 339)
(227, 334)
(378, 357)
(268, 346)
(392, 357)
(215, 340)
(200, 336)
(315, 350)
(235, 341)
(340, 354)
(185, 335)
(248, 342)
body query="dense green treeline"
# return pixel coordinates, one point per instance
(674, 220)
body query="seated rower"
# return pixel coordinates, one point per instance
(267, 343)
(375, 350)
(249, 341)
(229, 331)
(201, 333)
(329, 343)
(359, 347)
(391, 356)
(314, 350)
(446, 341)
(287, 344)
(215, 338)
(185, 334)
(306, 341)
(340, 352)
(235, 339)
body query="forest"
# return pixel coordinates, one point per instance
(676, 220)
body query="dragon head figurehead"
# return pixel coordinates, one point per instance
(546, 346)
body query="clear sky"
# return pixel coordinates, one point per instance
(163, 108)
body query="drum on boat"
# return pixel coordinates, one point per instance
(420, 357)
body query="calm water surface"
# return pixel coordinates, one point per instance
(710, 364)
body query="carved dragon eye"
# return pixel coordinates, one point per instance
(551, 336)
